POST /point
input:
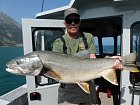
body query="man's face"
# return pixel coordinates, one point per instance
(72, 24)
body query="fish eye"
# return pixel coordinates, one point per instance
(18, 62)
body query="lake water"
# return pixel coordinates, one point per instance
(9, 81)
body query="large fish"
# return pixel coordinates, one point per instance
(68, 68)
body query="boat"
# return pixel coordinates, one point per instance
(114, 21)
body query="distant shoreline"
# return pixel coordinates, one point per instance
(17, 45)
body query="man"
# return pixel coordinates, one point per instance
(72, 42)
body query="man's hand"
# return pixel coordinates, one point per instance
(118, 63)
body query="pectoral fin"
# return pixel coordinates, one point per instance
(84, 86)
(110, 75)
(52, 74)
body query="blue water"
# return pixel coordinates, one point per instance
(9, 81)
(108, 49)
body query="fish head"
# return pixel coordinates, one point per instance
(29, 64)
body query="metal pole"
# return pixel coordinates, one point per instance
(42, 6)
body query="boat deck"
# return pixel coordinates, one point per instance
(105, 100)
(19, 95)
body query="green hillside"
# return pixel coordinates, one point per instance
(10, 31)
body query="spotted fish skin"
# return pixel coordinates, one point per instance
(66, 68)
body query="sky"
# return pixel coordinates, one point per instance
(18, 9)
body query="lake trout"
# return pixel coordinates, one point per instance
(68, 68)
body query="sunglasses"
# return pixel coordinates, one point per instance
(74, 20)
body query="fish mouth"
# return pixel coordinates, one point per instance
(13, 70)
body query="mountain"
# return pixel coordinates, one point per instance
(10, 31)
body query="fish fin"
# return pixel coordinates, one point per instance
(84, 86)
(131, 68)
(129, 59)
(52, 74)
(110, 75)
(129, 63)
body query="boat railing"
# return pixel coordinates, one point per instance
(17, 96)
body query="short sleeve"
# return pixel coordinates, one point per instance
(91, 43)
(58, 46)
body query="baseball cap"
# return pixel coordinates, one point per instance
(71, 11)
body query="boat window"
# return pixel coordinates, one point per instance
(107, 33)
(135, 36)
(108, 45)
(119, 45)
(96, 44)
(111, 45)
(135, 41)
(43, 39)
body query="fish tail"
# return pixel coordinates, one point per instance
(129, 62)
(131, 68)
(129, 59)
